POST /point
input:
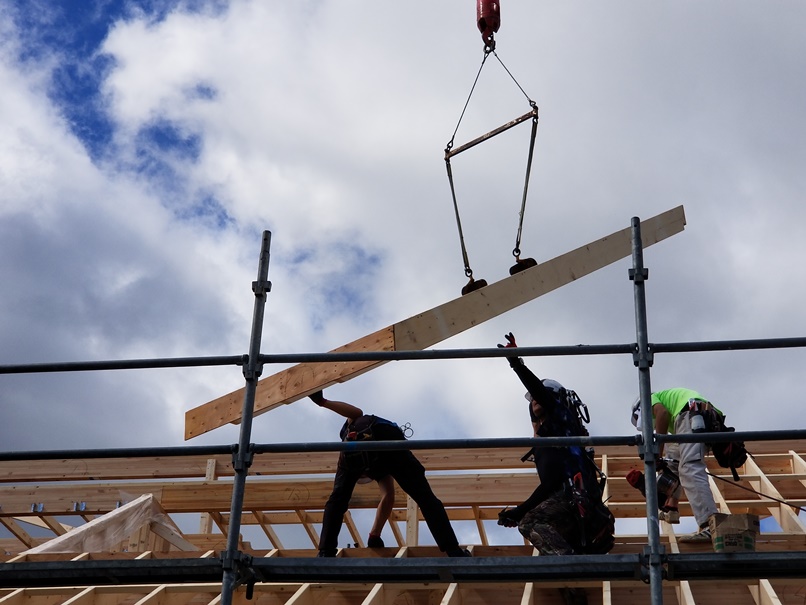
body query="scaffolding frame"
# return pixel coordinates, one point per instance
(234, 567)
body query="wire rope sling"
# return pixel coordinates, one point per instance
(488, 20)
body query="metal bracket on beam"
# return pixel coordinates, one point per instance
(650, 559)
(250, 373)
(638, 276)
(241, 564)
(643, 361)
(653, 449)
(261, 287)
(233, 561)
(242, 461)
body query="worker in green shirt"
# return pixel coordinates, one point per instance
(679, 411)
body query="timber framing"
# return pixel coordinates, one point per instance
(45, 498)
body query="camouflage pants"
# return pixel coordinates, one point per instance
(553, 526)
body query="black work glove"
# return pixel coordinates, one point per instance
(375, 542)
(508, 518)
(510, 342)
(318, 398)
(513, 360)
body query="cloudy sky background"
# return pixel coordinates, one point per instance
(144, 147)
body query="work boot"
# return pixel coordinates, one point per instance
(702, 536)
(670, 516)
(546, 546)
(327, 553)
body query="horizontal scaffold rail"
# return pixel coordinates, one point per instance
(419, 444)
(428, 354)
(691, 566)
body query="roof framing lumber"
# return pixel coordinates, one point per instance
(301, 463)
(501, 574)
(435, 325)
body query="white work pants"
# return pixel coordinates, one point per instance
(688, 462)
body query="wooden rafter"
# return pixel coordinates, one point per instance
(18, 532)
(351, 527)
(267, 528)
(307, 523)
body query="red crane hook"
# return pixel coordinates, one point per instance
(488, 19)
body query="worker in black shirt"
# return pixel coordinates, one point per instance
(565, 514)
(401, 465)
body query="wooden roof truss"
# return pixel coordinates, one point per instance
(42, 500)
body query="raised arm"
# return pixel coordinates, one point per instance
(347, 410)
(528, 378)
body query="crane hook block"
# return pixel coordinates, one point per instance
(488, 19)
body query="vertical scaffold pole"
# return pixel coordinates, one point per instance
(235, 563)
(642, 358)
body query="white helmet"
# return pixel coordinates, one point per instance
(551, 385)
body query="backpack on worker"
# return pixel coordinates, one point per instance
(371, 428)
(569, 420)
(578, 413)
(600, 529)
(367, 428)
(728, 454)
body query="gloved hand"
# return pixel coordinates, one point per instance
(510, 342)
(375, 542)
(507, 518)
(513, 359)
(318, 398)
(661, 464)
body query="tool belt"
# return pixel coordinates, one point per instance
(695, 405)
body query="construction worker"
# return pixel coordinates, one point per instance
(681, 412)
(400, 465)
(565, 514)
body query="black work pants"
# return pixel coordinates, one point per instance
(553, 526)
(404, 467)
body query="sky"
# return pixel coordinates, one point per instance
(145, 146)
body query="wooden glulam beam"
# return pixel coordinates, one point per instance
(435, 325)
(193, 466)
(485, 489)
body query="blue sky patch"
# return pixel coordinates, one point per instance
(347, 287)
(72, 32)
(208, 211)
(203, 91)
(165, 136)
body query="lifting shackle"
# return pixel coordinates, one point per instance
(488, 19)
